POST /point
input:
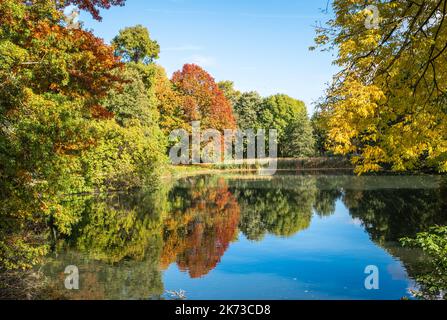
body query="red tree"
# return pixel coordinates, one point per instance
(202, 100)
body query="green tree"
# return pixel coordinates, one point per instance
(140, 143)
(227, 87)
(134, 44)
(275, 208)
(280, 112)
(320, 133)
(300, 139)
(133, 100)
(248, 109)
(434, 244)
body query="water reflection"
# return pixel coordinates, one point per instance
(124, 243)
(202, 224)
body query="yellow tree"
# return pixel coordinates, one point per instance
(387, 105)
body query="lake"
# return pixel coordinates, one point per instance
(241, 236)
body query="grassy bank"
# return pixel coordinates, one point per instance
(283, 164)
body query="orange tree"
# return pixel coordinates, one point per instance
(202, 100)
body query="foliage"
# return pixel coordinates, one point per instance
(319, 127)
(202, 100)
(279, 110)
(278, 211)
(125, 157)
(47, 98)
(132, 100)
(386, 106)
(93, 6)
(40, 54)
(434, 243)
(300, 139)
(139, 144)
(284, 113)
(248, 111)
(227, 87)
(134, 44)
(56, 136)
(202, 224)
(169, 104)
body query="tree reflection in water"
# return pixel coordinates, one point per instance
(124, 242)
(202, 224)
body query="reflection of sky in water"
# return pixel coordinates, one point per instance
(326, 261)
(137, 245)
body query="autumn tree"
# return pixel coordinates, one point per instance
(52, 122)
(134, 44)
(202, 225)
(168, 100)
(387, 105)
(202, 100)
(93, 6)
(135, 106)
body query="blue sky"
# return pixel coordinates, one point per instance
(261, 45)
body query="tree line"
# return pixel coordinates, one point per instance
(78, 116)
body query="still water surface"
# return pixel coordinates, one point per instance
(247, 237)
